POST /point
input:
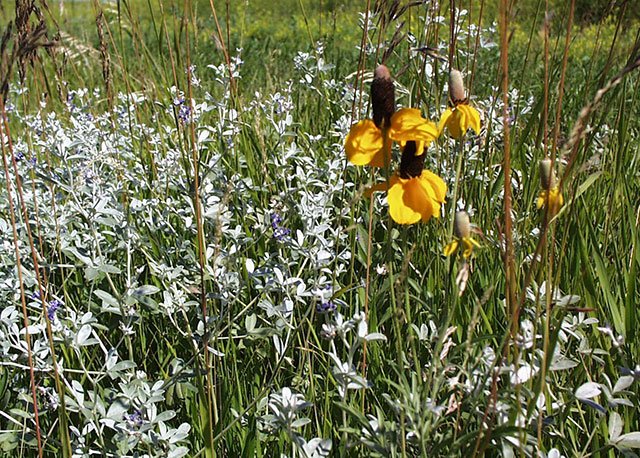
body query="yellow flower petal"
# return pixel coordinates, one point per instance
(454, 124)
(436, 183)
(552, 199)
(542, 197)
(407, 124)
(472, 118)
(468, 247)
(443, 120)
(408, 201)
(365, 146)
(459, 119)
(450, 248)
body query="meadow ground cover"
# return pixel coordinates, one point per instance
(319, 228)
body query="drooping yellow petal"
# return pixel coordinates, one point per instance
(443, 120)
(542, 197)
(472, 117)
(408, 201)
(365, 146)
(454, 124)
(459, 119)
(430, 179)
(468, 247)
(407, 124)
(551, 199)
(450, 248)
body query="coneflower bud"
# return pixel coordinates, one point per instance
(461, 225)
(383, 99)
(547, 174)
(456, 87)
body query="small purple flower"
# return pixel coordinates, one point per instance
(35, 296)
(134, 418)
(184, 114)
(280, 233)
(184, 110)
(54, 305)
(326, 307)
(33, 161)
(19, 157)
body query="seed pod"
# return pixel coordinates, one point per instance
(456, 87)
(547, 174)
(411, 165)
(383, 99)
(461, 225)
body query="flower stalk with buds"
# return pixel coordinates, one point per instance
(462, 236)
(550, 197)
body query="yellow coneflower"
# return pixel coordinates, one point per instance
(460, 116)
(365, 144)
(550, 197)
(413, 194)
(462, 236)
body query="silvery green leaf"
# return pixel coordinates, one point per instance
(300, 422)
(181, 433)
(178, 452)
(8, 313)
(116, 410)
(123, 366)
(145, 290)
(107, 299)
(318, 448)
(562, 363)
(623, 383)
(568, 300)
(629, 440)
(588, 390)
(250, 322)
(615, 426)
(615, 402)
(32, 329)
(83, 335)
(164, 416)
(375, 336)
(91, 273)
(362, 329)
(108, 268)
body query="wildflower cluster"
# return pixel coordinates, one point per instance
(413, 193)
